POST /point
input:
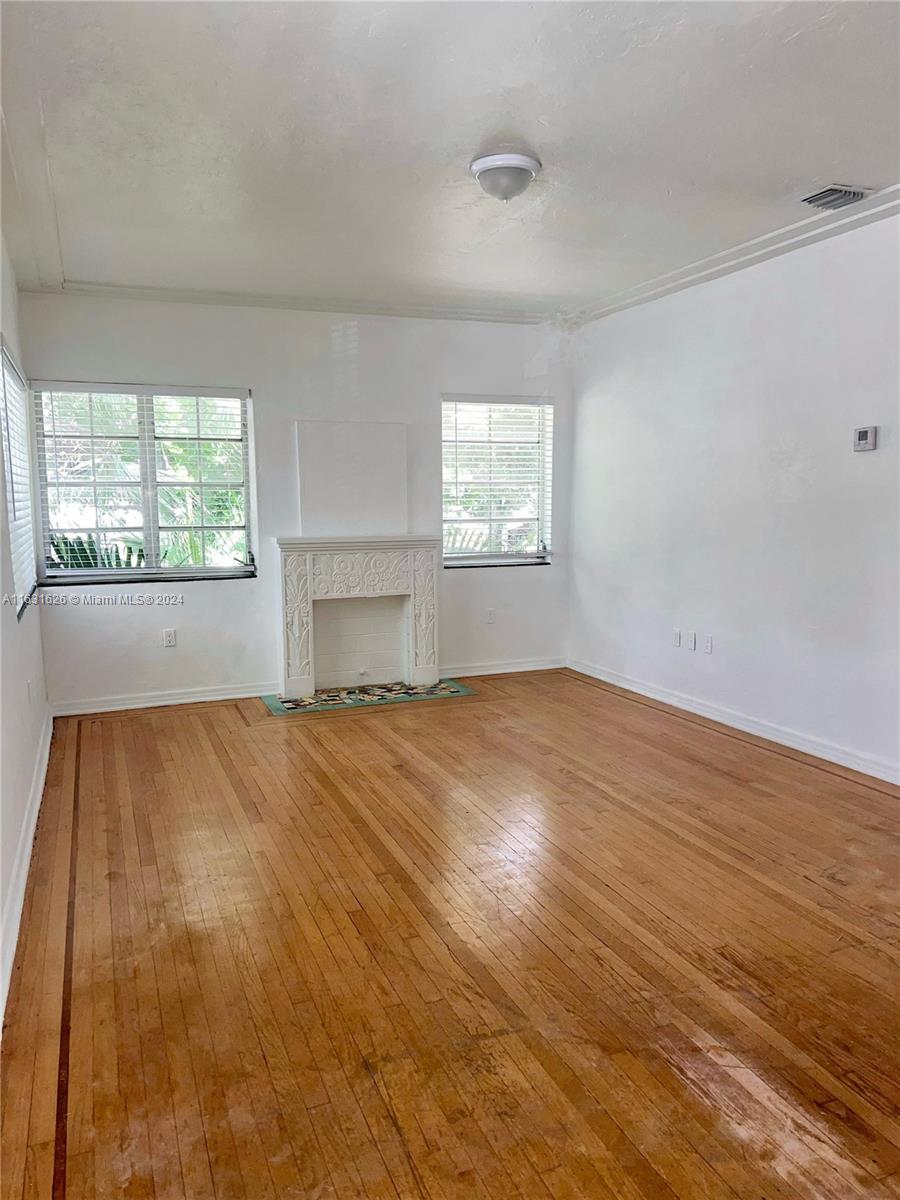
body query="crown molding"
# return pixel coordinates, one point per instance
(428, 312)
(876, 207)
(33, 185)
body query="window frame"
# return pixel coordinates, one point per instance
(30, 584)
(149, 486)
(543, 557)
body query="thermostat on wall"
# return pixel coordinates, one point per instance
(865, 438)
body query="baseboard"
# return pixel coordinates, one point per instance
(94, 704)
(866, 764)
(74, 708)
(15, 896)
(503, 668)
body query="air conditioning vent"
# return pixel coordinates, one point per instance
(836, 196)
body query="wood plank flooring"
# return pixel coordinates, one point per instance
(547, 941)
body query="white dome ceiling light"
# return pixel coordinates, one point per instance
(504, 176)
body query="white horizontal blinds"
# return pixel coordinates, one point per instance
(89, 457)
(546, 423)
(17, 467)
(497, 472)
(143, 481)
(199, 484)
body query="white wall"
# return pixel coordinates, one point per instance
(299, 366)
(715, 490)
(24, 719)
(352, 478)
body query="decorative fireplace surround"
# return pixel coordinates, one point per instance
(329, 568)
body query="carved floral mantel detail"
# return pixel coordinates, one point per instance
(297, 614)
(330, 568)
(424, 607)
(373, 573)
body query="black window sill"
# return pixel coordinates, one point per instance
(452, 564)
(77, 578)
(26, 603)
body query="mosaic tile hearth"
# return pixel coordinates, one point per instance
(335, 699)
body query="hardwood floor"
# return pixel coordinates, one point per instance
(547, 941)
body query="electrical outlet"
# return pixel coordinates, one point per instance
(676, 637)
(707, 644)
(168, 637)
(692, 641)
(491, 616)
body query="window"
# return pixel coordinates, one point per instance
(17, 468)
(141, 483)
(498, 466)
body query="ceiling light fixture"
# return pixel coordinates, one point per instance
(504, 176)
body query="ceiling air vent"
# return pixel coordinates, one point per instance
(836, 196)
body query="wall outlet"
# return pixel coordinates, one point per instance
(491, 616)
(168, 638)
(707, 644)
(676, 637)
(692, 641)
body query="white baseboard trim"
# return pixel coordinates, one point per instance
(503, 668)
(15, 895)
(865, 763)
(74, 708)
(96, 704)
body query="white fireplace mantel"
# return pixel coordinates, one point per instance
(328, 568)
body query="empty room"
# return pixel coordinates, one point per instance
(450, 600)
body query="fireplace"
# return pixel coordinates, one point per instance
(320, 569)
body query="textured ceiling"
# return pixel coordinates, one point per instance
(316, 154)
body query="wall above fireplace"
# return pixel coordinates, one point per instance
(352, 478)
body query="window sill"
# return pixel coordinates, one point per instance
(26, 603)
(457, 563)
(77, 578)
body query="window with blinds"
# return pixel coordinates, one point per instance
(17, 469)
(498, 480)
(151, 483)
